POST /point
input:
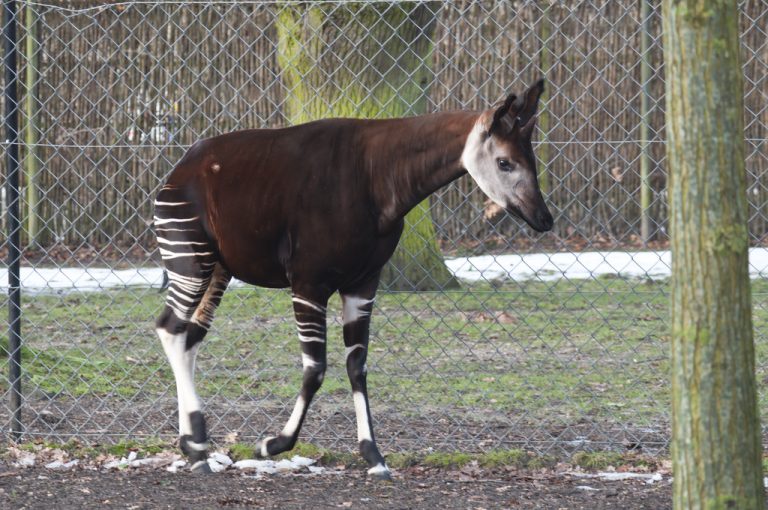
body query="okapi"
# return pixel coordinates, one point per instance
(319, 208)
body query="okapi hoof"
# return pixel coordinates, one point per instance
(201, 467)
(380, 473)
(271, 446)
(262, 452)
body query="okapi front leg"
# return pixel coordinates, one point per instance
(357, 319)
(310, 322)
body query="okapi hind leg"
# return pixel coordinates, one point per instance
(195, 283)
(193, 436)
(181, 338)
(194, 444)
(356, 316)
(310, 322)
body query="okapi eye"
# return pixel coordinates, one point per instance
(504, 165)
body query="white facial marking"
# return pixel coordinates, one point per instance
(361, 413)
(293, 422)
(355, 308)
(479, 158)
(183, 366)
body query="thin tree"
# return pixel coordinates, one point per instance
(716, 448)
(368, 60)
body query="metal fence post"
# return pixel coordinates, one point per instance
(12, 183)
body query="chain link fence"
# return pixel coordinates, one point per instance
(552, 343)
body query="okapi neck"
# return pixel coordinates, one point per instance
(417, 156)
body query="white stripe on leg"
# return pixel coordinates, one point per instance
(183, 365)
(293, 422)
(361, 413)
(355, 308)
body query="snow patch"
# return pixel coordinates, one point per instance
(57, 464)
(612, 476)
(296, 463)
(653, 265)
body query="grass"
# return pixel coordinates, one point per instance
(553, 352)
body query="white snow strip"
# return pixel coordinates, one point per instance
(57, 464)
(269, 467)
(613, 476)
(221, 458)
(532, 266)
(584, 265)
(176, 465)
(216, 467)
(92, 279)
(25, 460)
(151, 462)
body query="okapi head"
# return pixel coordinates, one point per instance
(499, 157)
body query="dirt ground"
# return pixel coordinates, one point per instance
(412, 488)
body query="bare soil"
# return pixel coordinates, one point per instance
(412, 488)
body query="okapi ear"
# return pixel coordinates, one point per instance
(500, 120)
(526, 107)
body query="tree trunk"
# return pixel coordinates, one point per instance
(716, 448)
(368, 60)
(645, 120)
(31, 127)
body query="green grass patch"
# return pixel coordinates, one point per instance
(536, 352)
(402, 460)
(241, 451)
(498, 458)
(447, 459)
(597, 460)
(303, 450)
(144, 448)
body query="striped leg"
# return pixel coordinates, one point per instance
(357, 307)
(192, 267)
(310, 322)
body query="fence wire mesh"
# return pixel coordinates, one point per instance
(552, 342)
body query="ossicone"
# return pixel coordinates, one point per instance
(517, 112)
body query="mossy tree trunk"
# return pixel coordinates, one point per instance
(716, 446)
(367, 60)
(31, 127)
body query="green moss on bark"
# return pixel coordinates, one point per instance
(716, 446)
(367, 60)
